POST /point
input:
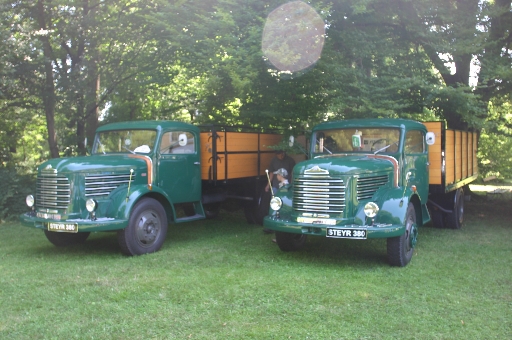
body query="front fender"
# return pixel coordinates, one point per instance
(392, 206)
(123, 201)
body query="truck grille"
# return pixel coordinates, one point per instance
(103, 185)
(367, 186)
(52, 190)
(322, 194)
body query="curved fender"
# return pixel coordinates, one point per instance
(122, 206)
(392, 206)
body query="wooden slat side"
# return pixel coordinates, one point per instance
(434, 153)
(450, 156)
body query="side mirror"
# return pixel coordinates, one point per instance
(182, 139)
(430, 138)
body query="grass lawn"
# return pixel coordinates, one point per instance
(225, 279)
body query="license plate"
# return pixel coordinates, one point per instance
(48, 216)
(353, 233)
(63, 227)
(316, 220)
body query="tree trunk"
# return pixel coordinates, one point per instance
(48, 87)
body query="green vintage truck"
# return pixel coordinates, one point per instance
(376, 179)
(143, 174)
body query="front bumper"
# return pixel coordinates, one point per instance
(290, 226)
(84, 225)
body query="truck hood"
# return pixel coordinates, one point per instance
(345, 165)
(96, 163)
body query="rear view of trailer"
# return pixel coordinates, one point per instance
(452, 166)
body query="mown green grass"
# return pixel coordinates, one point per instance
(225, 279)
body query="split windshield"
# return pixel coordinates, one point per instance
(381, 140)
(125, 141)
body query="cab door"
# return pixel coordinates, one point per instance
(416, 162)
(179, 169)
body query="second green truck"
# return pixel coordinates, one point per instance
(376, 178)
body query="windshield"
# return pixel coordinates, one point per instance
(126, 141)
(382, 140)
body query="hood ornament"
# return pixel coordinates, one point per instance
(316, 170)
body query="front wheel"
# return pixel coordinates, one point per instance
(289, 241)
(146, 229)
(65, 239)
(400, 248)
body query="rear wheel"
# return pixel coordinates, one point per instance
(400, 248)
(456, 218)
(262, 205)
(146, 230)
(289, 241)
(65, 239)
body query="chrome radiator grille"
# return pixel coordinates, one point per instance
(52, 190)
(321, 194)
(367, 186)
(103, 185)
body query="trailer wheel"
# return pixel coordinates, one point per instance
(400, 248)
(146, 229)
(456, 218)
(289, 241)
(250, 212)
(65, 239)
(262, 205)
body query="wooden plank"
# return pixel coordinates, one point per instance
(449, 156)
(464, 155)
(458, 155)
(434, 152)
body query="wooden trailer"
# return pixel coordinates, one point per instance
(452, 166)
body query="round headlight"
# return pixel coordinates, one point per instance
(30, 201)
(371, 209)
(276, 203)
(90, 205)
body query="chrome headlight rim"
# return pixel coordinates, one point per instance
(276, 203)
(371, 209)
(30, 201)
(91, 205)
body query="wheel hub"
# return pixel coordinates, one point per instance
(413, 236)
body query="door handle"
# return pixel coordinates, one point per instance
(197, 163)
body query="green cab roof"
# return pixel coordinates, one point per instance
(147, 125)
(371, 122)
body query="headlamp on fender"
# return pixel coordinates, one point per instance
(276, 203)
(371, 209)
(91, 205)
(29, 200)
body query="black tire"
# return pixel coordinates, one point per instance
(65, 239)
(456, 218)
(146, 230)
(401, 248)
(289, 241)
(262, 205)
(211, 210)
(250, 212)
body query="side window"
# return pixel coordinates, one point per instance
(177, 142)
(414, 142)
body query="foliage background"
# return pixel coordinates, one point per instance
(67, 66)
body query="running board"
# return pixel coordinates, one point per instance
(190, 218)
